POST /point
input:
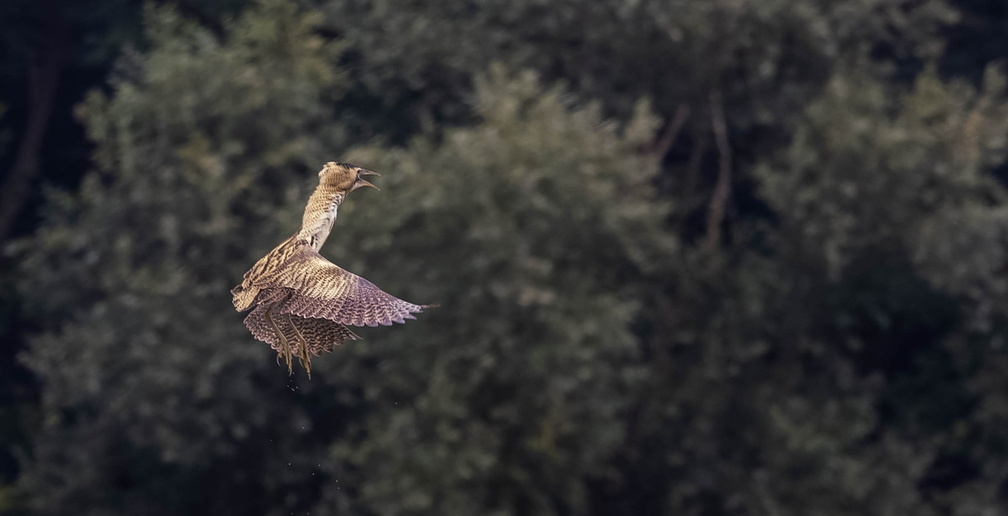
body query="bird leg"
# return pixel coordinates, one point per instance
(285, 349)
(302, 347)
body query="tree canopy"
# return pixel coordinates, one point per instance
(711, 258)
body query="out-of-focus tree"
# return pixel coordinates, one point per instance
(783, 298)
(535, 230)
(857, 196)
(51, 53)
(729, 79)
(821, 364)
(419, 58)
(147, 370)
(173, 393)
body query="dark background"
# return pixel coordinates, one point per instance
(708, 258)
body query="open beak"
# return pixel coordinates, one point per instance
(361, 182)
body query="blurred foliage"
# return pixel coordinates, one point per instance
(548, 169)
(197, 139)
(419, 58)
(512, 391)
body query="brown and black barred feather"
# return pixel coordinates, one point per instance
(322, 335)
(302, 303)
(322, 289)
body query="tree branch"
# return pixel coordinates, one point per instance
(671, 134)
(697, 153)
(43, 80)
(722, 190)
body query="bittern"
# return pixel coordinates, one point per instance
(302, 304)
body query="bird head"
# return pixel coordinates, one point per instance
(344, 177)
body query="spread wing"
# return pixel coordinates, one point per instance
(320, 335)
(320, 289)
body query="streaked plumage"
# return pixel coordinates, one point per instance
(302, 303)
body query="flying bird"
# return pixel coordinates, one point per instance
(302, 304)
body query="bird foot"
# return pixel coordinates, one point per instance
(303, 354)
(285, 348)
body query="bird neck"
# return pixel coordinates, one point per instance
(319, 215)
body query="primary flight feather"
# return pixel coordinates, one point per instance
(301, 303)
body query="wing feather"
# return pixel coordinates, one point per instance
(320, 289)
(320, 335)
